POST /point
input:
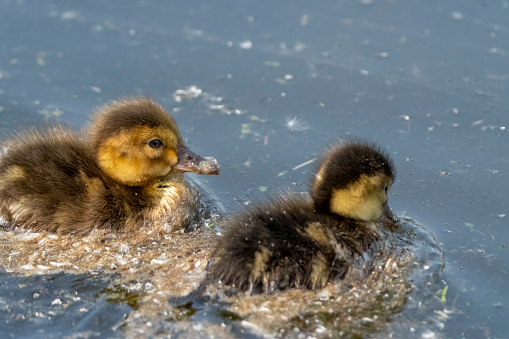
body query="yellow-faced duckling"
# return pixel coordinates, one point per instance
(297, 242)
(124, 173)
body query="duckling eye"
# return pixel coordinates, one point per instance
(386, 189)
(155, 143)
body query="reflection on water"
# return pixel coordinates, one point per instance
(424, 312)
(312, 73)
(395, 299)
(400, 297)
(58, 305)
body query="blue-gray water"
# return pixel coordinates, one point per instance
(427, 79)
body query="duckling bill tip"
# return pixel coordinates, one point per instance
(188, 161)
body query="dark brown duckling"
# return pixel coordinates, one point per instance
(297, 242)
(124, 173)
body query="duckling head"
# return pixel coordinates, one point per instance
(352, 180)
(136, 141)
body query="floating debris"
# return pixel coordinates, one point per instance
(69, 15)
(40, 58)
(299, 47)
(444, 292)
(51, 112)
(4, 75)
(246, 44)
(245, 130)
(280, 174)
(274, 64)
(193, 32)
(255, 118)
(304, 20)
(57, 301)
(188, 93)
(217, 107)
(213, 103)
(248, 162)
(303, 164)
(169, 265)
(111, 26)
(225, 109)
(296, 124)
(457, 15)
(232, 111)
(472, 228)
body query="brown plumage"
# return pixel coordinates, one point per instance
(125, 172)
(297, 242)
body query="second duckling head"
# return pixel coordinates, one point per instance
(352, 180)
(136, 141)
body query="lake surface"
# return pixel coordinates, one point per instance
(264, 86)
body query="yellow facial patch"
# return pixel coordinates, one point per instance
(172, 157)
(363, 199)
(128, 159)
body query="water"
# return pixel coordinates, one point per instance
(58, 305)
(428, 80)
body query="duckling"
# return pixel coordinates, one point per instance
(124, 173)
(297, 242)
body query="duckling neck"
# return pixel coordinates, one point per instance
(150, 193)
(172, 200)
(166, 200)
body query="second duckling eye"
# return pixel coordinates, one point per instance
(155, 143)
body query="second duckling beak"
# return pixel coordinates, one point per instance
(188, 161)
(388, 216)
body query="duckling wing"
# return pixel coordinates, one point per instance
(45, 179)
(275, 246)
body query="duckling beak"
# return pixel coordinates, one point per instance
(388, 215)
(188, 161)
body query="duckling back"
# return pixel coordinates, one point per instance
(44, 177)
(286, 244)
